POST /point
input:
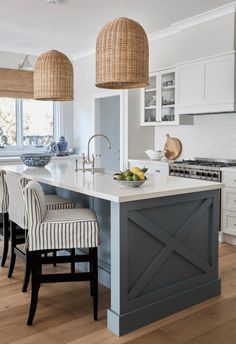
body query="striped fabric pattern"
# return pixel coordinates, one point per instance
(53, 202)
(58, 229)
(36, 205)
(16, 203)
(4, 198)
(17, 210)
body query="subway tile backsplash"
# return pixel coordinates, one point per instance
(211, 136)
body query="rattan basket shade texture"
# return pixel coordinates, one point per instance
(122, 55)
(53, 77)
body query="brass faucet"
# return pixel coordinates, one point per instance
(88, 160)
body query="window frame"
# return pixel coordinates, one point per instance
(20, 147)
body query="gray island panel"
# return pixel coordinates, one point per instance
(164, 257)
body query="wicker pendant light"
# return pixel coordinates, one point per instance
(53, 77)
(122, 55)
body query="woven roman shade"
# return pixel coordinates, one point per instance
(122, 55)
(53, 77)
(16, 83)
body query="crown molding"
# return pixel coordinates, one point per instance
(207, 16)
(175, 28)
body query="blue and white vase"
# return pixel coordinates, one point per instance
(52, 148)
(62, 144)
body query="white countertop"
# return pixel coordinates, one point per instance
(6, 159)
(101, 185)
(150, 161)
(229, 169)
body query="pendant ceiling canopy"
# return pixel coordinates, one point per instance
(53, 77)
(122, 55)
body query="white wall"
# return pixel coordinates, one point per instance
(211, 136)
(84, 92)
(12, 60)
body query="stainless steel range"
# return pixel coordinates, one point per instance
(200, 168)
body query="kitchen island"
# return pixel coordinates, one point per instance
(163, 239)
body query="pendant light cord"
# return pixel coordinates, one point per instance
(53, 24)
(122, 8)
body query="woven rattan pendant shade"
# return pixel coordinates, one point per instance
(53, 77)
(122, 55)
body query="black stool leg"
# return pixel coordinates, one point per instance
(13, 244)
(54, 256)
(72, 264)
(95, 282)
(91, 270)
(28, 268)
(5, 238)
(36, 273)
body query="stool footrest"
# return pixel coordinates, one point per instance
(80, 276)
(65, 259)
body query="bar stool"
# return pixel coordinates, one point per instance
(17, 214)
(4, 210)
(59, 230)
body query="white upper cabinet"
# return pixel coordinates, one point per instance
(206, 86)
(190, 81)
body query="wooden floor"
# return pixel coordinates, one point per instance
(64, 314)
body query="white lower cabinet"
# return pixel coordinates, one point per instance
(153, 166)
(228, 207)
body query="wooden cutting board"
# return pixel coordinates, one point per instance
(172, 148)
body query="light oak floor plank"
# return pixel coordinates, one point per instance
(64, 314)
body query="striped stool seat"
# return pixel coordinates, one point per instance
(54, 229)
(4, 202)
(64, 229)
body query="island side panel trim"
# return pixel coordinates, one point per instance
(134, 302)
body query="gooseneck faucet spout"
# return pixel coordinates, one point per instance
(92, 137)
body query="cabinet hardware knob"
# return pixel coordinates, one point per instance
(160, 171)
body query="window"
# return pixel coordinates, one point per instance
(26, 123)
(37, 122)
(7, 121)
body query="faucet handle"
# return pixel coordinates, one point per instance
(93, 163)
(83, 161)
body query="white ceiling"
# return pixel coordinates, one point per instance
(26, 25)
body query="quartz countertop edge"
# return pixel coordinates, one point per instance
(102, 185)
(150, 161)
(229, 169)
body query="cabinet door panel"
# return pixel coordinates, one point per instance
(219, 80)
(229, 199)
(229, 179)
(229, 222)
(191, 84)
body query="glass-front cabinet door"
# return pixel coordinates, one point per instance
(158, 100)
(167, 97)
(149, 102)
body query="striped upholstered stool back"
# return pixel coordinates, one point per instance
(4, 198)
(16, 208)
(35, 204)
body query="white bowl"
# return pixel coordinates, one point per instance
(154, 155)
(132, 183)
